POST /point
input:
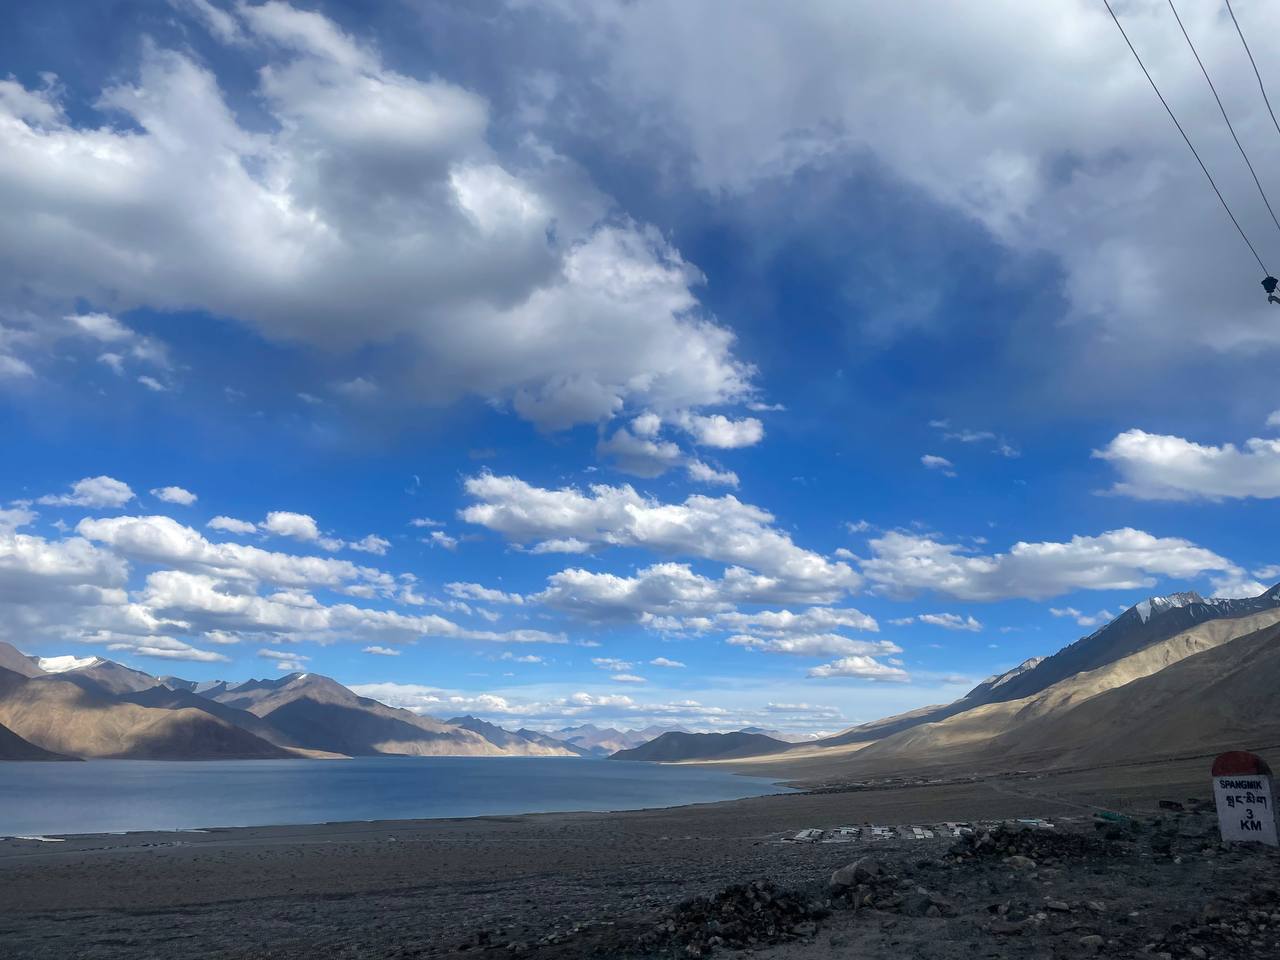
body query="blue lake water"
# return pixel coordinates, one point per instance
(113, 795)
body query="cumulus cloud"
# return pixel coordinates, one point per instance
(665, 662)
(957, 107)
(1086, 620)
(232, 525)
(1126, 559)
(815, 645)
(764, 561)
(1158, 467)
(162, 540)
(948, 621)
(864, 668)
(371, 544)
(508, 279)
(717, 430)
(174, 495)
(627, 678)
(476, 591)
(91, 492)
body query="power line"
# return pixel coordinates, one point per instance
(1265, 98)
(1190, 146)
(1214, 90)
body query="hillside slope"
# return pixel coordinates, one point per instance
(675, 747)
(13, 747)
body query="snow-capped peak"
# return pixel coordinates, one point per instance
(65, 663)
(1156, 605)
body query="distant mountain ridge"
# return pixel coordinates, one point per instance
(93, 707)
(675, 747)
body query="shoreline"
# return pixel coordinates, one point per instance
(421, 887)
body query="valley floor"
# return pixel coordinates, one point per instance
(569, 885)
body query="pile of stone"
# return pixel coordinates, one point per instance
(866, 884)
(738, 916)
(1024, 847)
(1244, 929)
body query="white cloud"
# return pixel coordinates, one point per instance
(382, 651)
(174, 495)
(611, 663)
(862, 667)
(812, 620)
(705, 473)
(100, 326)
(232, 525)
(722, 529)
(299, 526)
(627, 678)
(718, 430)
(512, 280)
(1273, 418)
(162, 540)
(640, 456)
(425, 522)
(439, 538)
(950, 621)
(815, 645)
(932, 462)
(1157, 467)
(664, 662)
(960, 109)
(167, 648)
(12, 368)
(92, 492)
(1085, 620)
(1124, 559)
(152, 384)
(371, 544)
(475, 591)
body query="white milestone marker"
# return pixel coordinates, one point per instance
(1242, 791)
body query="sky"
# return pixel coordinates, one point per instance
(612, 362)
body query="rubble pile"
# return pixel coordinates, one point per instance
(1023, 847)
(738, 916)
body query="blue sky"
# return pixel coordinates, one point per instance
(792, 369)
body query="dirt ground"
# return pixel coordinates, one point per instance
(566, 885)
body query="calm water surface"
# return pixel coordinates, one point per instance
(113, 795)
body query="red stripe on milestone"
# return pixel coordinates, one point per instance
(1240, 763)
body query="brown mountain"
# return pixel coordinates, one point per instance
(165, 698)
(114, 677)
(674, 747)
(321, 714)
(13, 747)
(524, 743)
(16, 662)
(75, 717)
(1199, 689)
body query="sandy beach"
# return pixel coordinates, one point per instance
(552, 885)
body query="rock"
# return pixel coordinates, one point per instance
(1198, 952)
(1019, 862)
(1057, 905)
(860, 871)
(1096, 906)
(1092, 943)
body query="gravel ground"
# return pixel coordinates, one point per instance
(628, 884)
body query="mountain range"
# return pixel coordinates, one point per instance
(1171, 676)
(92, 708)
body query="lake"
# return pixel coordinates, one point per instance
(103, 796)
